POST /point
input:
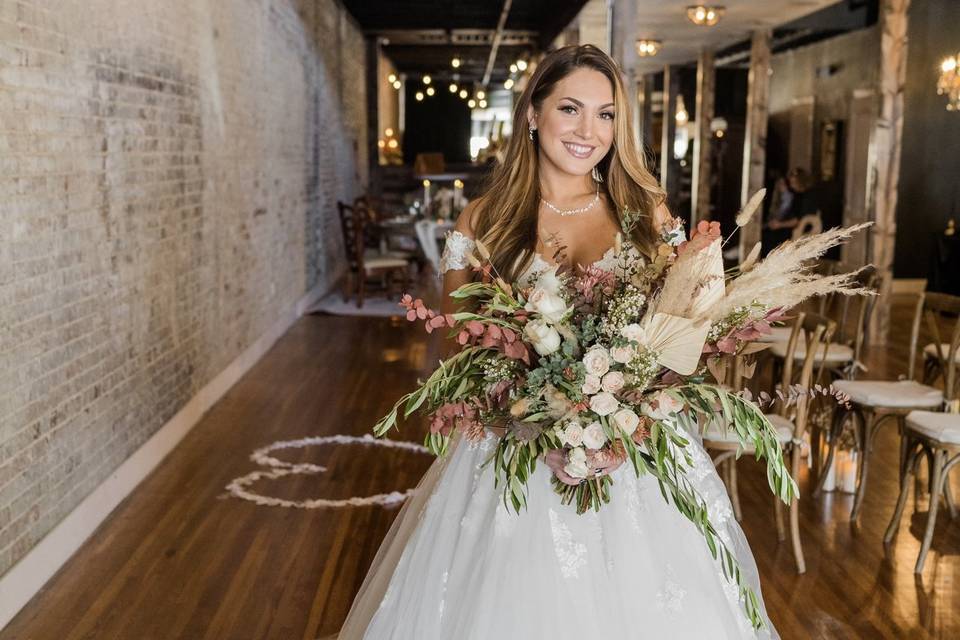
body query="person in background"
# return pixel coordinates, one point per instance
(793, 198)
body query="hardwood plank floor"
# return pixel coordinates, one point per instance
(177, 559)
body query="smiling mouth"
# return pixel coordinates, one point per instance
(579, 150)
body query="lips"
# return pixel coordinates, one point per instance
(580, 151)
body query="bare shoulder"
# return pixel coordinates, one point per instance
(467, 220)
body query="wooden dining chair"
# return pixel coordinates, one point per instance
(789, 420)
(933, 434)
(872, 404)
(363, 264)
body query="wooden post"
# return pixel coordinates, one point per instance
(669, 167)
(373, 114)
(702, 170)
(885, 147)
(755, 137)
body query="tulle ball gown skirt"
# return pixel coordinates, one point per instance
(469, 568)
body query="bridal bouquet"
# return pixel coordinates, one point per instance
(609, 363)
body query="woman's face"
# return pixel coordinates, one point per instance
(575, 122)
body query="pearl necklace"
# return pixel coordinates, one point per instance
(572, 212)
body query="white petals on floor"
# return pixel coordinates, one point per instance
(240, 487)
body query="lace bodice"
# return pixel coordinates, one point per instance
(458, 247)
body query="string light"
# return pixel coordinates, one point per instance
(471, 103)
(508, 84)
(948, 84)
(522, 65)
(483, 104)
(481, 94)
(388, 132)
(426, 79)
(455, 63)
(514, 68)
(396, 84)
(453, 87)
(430, 91)
(418, 96)
(464, 93)
(392, 78)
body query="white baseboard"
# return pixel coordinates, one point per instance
(27, 577)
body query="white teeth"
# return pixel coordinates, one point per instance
(578, 149)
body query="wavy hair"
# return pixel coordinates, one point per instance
(506, 216)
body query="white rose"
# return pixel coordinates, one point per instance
(626, 420)
(542, 336)
(549, 282)
(591, 385)
(593, 436)
(572, 434)
(550, 306)
(597, 361)
(634, 332)
(624, 354)
(603, 404)
(576, 466)
(613, 381)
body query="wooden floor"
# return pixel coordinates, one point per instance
(179, 560)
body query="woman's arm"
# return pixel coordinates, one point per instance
(454, 278)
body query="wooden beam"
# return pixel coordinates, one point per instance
(755, 137)
(702, 169)
(885, 148)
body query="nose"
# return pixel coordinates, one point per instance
(585, 127)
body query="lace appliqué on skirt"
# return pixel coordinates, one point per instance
(456, 248)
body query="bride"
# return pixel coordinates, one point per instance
(457, 564)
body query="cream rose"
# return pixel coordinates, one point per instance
(593, 436)
(597, 361)
(576, 466)
(624, 354)
(666, 407)
(603, 404)
(612, 381)
(544, 338)
(634, 332)
(591, 385)
(572, 434)
(626, 420)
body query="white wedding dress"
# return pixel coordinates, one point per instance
(459, 565)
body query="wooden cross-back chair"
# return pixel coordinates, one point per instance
(872, 404)
(361, 262)
(933, 434)
(789, 420)
(939, 310)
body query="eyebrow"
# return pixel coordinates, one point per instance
(580, 104)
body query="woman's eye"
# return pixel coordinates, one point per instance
(570, 107)
(607, 115)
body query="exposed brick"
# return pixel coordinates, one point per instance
(169, 173)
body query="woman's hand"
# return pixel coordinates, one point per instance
(556, 459)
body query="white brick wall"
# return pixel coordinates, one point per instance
(169, 172)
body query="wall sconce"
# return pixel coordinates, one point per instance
(647, 48)
(948, 84)
(705, 16)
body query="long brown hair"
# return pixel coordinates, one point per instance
(506, 217)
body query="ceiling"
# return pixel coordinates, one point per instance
(666, 20)
(422, 36)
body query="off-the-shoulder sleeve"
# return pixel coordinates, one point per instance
(455, 251)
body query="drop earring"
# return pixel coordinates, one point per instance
(530, 132)
(596, 174)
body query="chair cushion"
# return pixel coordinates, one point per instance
(717, 433)
(777, 334)
(930, 351)
(836, 353)
(384, 263)
(887, 393)
(944, 427)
